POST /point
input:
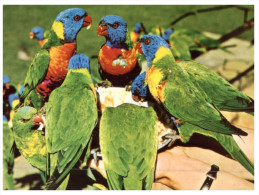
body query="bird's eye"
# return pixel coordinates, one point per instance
(147, 41)
(115, 25)
(25, 120)
(77, 18)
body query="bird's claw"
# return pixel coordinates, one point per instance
(172, 137)
(105, 84)
(128, 87)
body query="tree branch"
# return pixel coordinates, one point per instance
(240, 75)
(237, 31)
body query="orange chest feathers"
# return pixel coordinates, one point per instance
(59, 59)
(117, 61)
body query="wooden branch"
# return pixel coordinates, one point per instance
(208, 10)
(237, 31)
(180, 18)
(240, 75)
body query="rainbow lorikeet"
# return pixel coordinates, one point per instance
(172, 87)
(8, 156)
(118, 62)
(129, 146)
(71, 115)
(40, 34)
(220, 92)
(49, 67)
(29, 136)
(135, 35)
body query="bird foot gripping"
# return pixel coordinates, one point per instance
(106, 83)
(128, 87)
(169, 140)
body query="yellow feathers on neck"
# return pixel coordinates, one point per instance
(80, 70)
(162, 52)
(59, 29)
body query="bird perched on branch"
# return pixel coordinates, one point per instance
(194, 111)
(135, 35)
(71, 116)
(40, 34)
(117, 58)
(129, 146)
(49, 67)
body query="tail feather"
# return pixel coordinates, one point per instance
(57, 178)
(234, 150)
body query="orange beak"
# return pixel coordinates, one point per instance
(138, 48)
(102, 30)
(37, 120)
(87, 22)
(31, 35)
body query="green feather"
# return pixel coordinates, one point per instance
(188, 101)
(227, 141)
(128, 144)
(71, 116)
(30, 142)
(35, 75)
(222, 94)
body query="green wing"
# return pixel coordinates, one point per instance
(184, 101)
(227, 141)
(128, 144)
(67, 125)
(71, 116)
(180, 48)
(36, 72)
(223, 95)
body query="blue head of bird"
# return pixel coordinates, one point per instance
(79, 61)
(138, 87)
(167, 34)
(150, 44)
(114, 28)
(37, 33)
(6, 79)
(139, 28)
(69, 22)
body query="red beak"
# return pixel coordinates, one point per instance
(138, 48)
(37, 120)
(102, 30)
(31, 35)
(87, 22)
